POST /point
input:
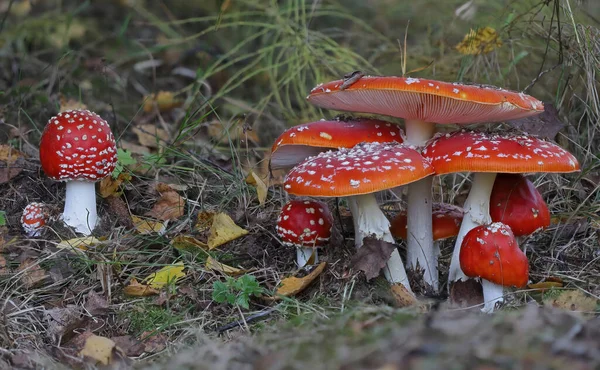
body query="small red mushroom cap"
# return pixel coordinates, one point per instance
(446, 220)
(425, 100)
(304, 223)
(491, 252)
(363, 169)
(300, 142)
(78, 145)
(472, 151)
(34, 218)
(516, 202)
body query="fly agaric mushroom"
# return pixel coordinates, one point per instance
(78, 147)
(306, 225)
(423, 103)
(487, 154)
(300, 142)
(491, 252)
(34, 218)
(358, 173)
(516, 202)
(445, 220)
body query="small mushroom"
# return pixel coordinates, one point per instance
(517, 203)
(34, 218)
(78, 147)
(491, 253)
(306, 225)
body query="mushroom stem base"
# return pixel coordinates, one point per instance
(369, 220)
(477, 212)
(80, 206)
(492, 295)
(306, 255)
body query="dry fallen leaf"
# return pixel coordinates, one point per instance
(33, 274)
(146, 226)
(62, 323)
(70, 104)
(215, 265)
(402, 296)
(259, 184)
(153, 342)
(188, 243)
(223, 230)
(164, 101)
(9, 169)
(150, 135)
(135, 289)
(545, 285)
(372, 256)
(78, 244)
(293, 285)
(573, 300)
(204, 220)
(165, 275)
(545, 125)
(99, 349)
(170, 205)
(110, 185)
(130, 345)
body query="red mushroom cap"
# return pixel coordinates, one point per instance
(470, 151)
(425, 100)
(78, 145)
(34, 217)
(364, 169)
(516, 202)
(491, 252)
(304, 223)
(446, 220)
(300, 142)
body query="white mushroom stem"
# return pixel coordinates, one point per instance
(477, 212)
(303, 256)
(80, 206)
(420, 249)
(492, 294)
(369, 220)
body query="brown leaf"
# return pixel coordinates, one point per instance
(372, 256)
(9, 167)
(70, 104)
(109, 185)
(118, 207)
(96, 304)
(164, 101)
(204, 220)
(170, 205)
(466, 293)
(153, 342)
(293, 285)
(136, 289)
(402, 296)
(544, 125)
(33, 274)
(3, 267)
(63, 322)
(130, 345)
(545, 285)
(150, 136)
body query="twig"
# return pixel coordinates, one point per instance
(542, 73)
(244, 322)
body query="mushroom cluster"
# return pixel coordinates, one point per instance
(345, 159)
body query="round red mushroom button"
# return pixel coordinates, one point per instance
(304, 223)
(34, 218)
(77, 145)
(491, 252)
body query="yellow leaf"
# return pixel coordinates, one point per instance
(77, 244)
(573, 300)
(223, 230)
(165, 275)
(293, 285)
(261, 187)
(70, 104)
(204, 220)
(9, 154)
(135, 289)
(402, 296)
(188, 243)
(98, 348)
(146, 226)
(480, 41)
(215, 265)
(164, 100)
(150, 135)
(109, 185)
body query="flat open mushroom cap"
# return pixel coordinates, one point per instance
(445, 219)
(366, 168)
(300, 142)
(426, 100)
(470, 151)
